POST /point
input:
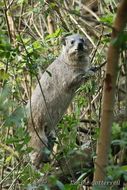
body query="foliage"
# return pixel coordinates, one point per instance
(26, 49)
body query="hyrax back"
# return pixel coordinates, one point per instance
(53, 95)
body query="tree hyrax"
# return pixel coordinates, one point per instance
(54, 93)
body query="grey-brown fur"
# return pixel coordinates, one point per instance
(59, 87)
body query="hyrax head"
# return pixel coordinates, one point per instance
(76, 48)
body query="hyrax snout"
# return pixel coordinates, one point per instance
(53, 94)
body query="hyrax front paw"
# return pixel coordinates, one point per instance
(89, 73)
(38, 158)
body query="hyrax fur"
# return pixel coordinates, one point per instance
(54, 93)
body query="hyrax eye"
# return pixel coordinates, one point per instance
(82, 40)
(72, 41)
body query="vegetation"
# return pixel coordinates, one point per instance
(30, 39)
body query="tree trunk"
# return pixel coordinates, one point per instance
(103, 144)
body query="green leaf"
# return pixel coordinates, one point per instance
(8, 159)
(46, 168)
(55, 34)
(42, 2)
(107, 19)
(71, 187)
(121, 40)
(3, 75)
(60, 185)
(37, 45)
(124, 168)
(22, 1)
(116, 130)
(15, 117)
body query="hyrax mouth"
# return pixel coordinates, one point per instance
(79, 53)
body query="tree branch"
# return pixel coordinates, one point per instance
(108, 100)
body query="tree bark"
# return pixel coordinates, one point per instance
(108, 100)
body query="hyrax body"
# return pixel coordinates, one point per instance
(53, 95)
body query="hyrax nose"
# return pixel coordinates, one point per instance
(80, 46)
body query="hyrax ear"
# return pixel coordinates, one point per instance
(88, 44)
(63, 40)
